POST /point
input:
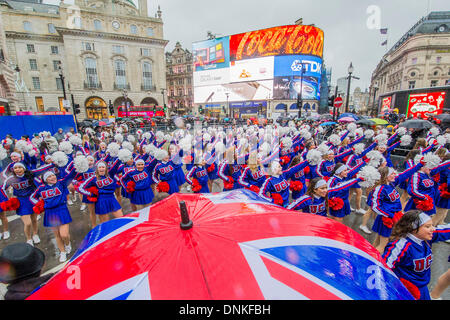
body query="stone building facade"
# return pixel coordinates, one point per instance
(107, 51)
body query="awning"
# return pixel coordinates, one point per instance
(280, 106)
(293, 106)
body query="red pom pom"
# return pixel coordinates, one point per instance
(296, 186)
(228, 184)
(131, 186)
(397, 216)
(277, 198)
(284, 160)
(411, 288)
(388, 222)
(254, 188)
(437, 177)
(163, 187)
(13, 204)
(93, 190)
(336, 203)
(92, 199)
(443, 189)
(196, 186)
(424, 205)
(38, 208)
(211, 168)
(306, 170)
(4, 205)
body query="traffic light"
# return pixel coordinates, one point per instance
(200, 109)
(111, 109)
(223, 109)
(76, 108)
(331, 100)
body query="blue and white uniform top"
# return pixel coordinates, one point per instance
(310, 204)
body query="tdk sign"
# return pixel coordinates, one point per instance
(311, 66)
(291, 65)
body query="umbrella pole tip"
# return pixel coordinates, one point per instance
(186, 223)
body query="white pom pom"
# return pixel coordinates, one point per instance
(32, 153)
(447, 137)
(118, 138)
(159, 135)
(186, 144)
(206, 137)
(381, 138)
(3, 153)
(375, 158)
(149, 149)
(431, 160)
(287, 143)
(320, 129)
(113, 149)
(179, 122)
(441, 140)
(119, 130)
(29, 147)
(81, 164)
(434, 131)
(75, 140)
(264, 149)
(351, 127)
(124, 155)
(359, 148)
(60, 158)
(160, 154)
(370, 175)
(334, 139)
(401, 131)
(314, 157)
(359, 132)
(220, 147)
(146, 135)
(128, 145)
(21, 145)
(405, 140)
(369, 133)
(66, 147)
(323, 148)
(131, 138)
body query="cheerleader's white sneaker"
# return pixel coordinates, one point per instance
(365, 229)
(62, 257)
(360, 211)
(83, 207)
(30, 242)
(68, 248)
(69, 202)
(36, 239)
(6, 235)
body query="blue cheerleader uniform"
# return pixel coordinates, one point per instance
(164, 172)
(178, 165)
(199, 172)
(80, 177)
(22, 189)
(299, 176)
(233, 170)
(315, 205)
(143, 193)
(442, 202)
(410, 258)
(106, 201)
(419, 186)
(249, 178)
(55, 201)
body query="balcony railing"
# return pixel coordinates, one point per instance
(148, 87)
(92, 85)
(121, 86)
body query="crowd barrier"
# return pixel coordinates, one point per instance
(18, 126)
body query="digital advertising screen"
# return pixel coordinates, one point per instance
(425, 103)
(386, 104)
(251, 69)
(211, 54)
(288, 88)
(211, 77)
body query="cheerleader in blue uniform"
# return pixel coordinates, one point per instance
(230, 171)
(315, 201)
(409, 253)
(212, 168)
(163, 173)
(138, 183)
(384, 200)
(197, 177)
(51, 197)
(298, 180)
(176, 158)
(253, 176)
(100, 189)
(85, 202)
(23, 184)
(277, 184)
(101, 152)
(409, 162)
(338, 190)
(325, 168)
(15, 157)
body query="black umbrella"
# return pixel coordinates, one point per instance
(365, 122)
(416, 124)
(444, 117)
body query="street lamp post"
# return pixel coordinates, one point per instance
(125, 97)
(375, 88)
(228, 105)
(350, 71)
(61, 76)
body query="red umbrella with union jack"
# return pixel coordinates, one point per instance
(225, 246)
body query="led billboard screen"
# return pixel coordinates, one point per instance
(263, 64)
(421, 104)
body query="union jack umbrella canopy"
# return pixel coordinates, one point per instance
(225, 246)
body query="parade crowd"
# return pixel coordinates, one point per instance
(299, 166)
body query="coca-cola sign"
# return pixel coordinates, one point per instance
(283, 40)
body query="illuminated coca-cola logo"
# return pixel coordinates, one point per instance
(292, 39)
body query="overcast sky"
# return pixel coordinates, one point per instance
(349, 25)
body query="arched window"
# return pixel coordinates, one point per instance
(91, 73)
(146, 75)
(133, 29)
(121, 78)
(97, 25)
(27, 26)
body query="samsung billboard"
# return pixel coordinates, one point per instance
(264, 64)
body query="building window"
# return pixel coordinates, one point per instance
(54, 49)
(39, 104)
(189, 80)
(436, 73)
(411, 84)
(36, 83)
(59, 85)
(61, 103)
(91, 72)
(145, 52)
(433, 83)
(121, 79)
(88, 46)
(97, 25)
(413, 74)
(27, 26)
(56, 64)
(76, 22)
(438, 59)
(33, 64)
(149, 32)
(117, 49)
(414, 60)
(147, 75)
(51, 28)
(133, 29)
(30, 48)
